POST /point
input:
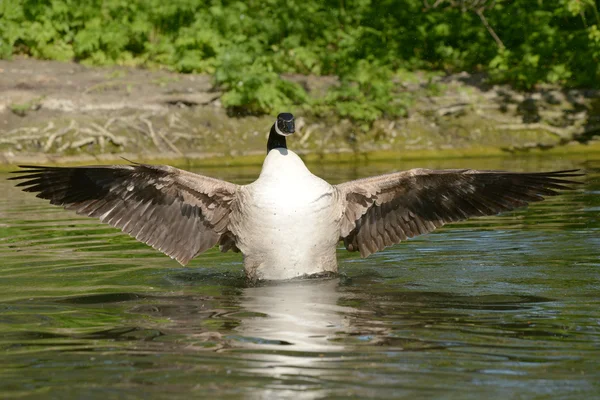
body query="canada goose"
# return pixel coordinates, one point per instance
(288, 222)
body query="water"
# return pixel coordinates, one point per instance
(499, 307)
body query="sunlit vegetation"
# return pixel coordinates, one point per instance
(249, 45)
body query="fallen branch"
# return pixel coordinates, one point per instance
(109, 123)
(65, 146)
(583, 135)
(560, 132)
(22, 129)
(181, 135)
(82, 142)
(58, 134)
(154, 134)
(307, 132)
(21, 138)
(169, 143)
(48, 128)
(101, 135)
(14, 142)
(451, 109)
(528, 146)
(131, 125)
(151, 132)
(175, 121)
(116, 140)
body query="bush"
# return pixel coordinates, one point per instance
(247, 45)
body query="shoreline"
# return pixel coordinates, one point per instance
(196, 160)
(66, 113)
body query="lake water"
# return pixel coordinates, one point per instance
(499, 307)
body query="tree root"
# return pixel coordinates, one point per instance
(153, 136)
(58, 134)
(82, 142)
(116, 140)
(95, 133)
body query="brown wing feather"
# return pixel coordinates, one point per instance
(177, 212)
(384, 210)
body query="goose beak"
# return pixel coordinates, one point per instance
(289, 127)
(285, 127)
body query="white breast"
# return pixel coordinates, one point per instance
(290, 221)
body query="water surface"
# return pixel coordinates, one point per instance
(503, 307)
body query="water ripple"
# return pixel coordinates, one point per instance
(503, 306)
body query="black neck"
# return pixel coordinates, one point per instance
(275, 140)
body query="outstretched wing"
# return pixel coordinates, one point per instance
(177, 212)
(384, 210)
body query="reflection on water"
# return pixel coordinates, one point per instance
(303, 315)
(503, 307)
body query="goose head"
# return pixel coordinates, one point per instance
(284, 126)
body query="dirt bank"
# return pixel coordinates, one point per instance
(57, 112)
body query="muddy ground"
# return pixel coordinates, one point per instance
(66, 112)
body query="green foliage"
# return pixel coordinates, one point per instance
(248, 45)
(546, 42)
(22, 109)
(365, 94)
(252, 85)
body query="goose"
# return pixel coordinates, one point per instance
(289, 222)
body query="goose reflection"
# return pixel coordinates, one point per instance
(293, 337)
(294, 316)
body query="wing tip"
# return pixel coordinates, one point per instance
(181, 260)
